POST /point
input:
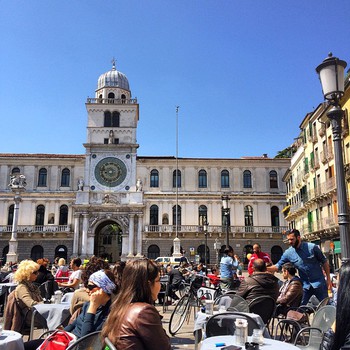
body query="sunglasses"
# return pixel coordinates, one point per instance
(35, 272)
(91, 286)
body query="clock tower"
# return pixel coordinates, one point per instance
(111, 135)
(107, 197)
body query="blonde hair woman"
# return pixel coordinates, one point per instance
(27, 293)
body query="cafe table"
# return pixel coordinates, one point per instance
(50, 316)
(225, 340)
(11, 340)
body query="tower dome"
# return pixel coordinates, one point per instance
(113, 78)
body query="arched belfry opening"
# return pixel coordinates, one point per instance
(108, 241)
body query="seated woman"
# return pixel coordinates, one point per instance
(341, 336)
(26, 295)
(101, 287)
(81, 295)
(134, 323)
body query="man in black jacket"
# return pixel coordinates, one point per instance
(260, 283)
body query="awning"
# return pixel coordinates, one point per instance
(337, 249)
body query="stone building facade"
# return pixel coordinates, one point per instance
(113, 203)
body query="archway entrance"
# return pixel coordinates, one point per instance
(108, 241)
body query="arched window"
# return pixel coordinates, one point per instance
(111, 119)
(15, 171)
(202, 213)
(248, 218)
(42, 177)
(153, 215)
(10, 214)
(178, 178)
(153, 252)
(65, 178)
(115, 119)
(248, 249)
(202, 179)
(201, 253)
(178, 221)
(247, 179)
(37, 252)
(276, 253)
(154, 181)
(4, 254)
(40, 215)
(63, 215)
(273, 179)
(111, 95)
(107, 119)
(123, 97)
(61, 252)
(275, 219)
(225, 179)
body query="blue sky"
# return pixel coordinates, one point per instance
(242, 72)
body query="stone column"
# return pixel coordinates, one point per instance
(17, 185)
(139, 235)
(84, 234)
(76, 234)
(131, 235)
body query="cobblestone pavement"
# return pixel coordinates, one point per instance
(184, 339)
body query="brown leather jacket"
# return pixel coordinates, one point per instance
(141, 330)
(291, 293)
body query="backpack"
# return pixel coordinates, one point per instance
(58, 340)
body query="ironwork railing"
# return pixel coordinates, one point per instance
(118, 101)
(36, 228)
(214, 229)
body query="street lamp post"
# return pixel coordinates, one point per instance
(226, 211)
(205, 229)
(17, 185)
(331, 73)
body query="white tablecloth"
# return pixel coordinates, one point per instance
(11, 340)
(270, 344)
(52, 315)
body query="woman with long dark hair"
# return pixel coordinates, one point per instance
(342, 324)
(134, 323)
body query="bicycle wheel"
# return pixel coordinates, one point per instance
(179, 314)
(184, 288)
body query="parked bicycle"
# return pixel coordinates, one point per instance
(194, 297)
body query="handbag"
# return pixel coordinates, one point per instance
(58, 340)
(296, 316)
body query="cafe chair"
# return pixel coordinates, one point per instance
(92, 341)
(224, 324)
(264, 306)
(164, 291)
(110, 344)
(223, 302)
(294, 332)
(238, 304)
(47, 289)
(311, 337)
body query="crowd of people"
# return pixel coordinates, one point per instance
(119, 300)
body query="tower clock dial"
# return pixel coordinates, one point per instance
(110, 172)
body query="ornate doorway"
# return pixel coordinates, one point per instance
(108, 241)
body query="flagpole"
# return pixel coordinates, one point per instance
(176, 242)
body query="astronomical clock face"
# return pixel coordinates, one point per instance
(110, 172)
